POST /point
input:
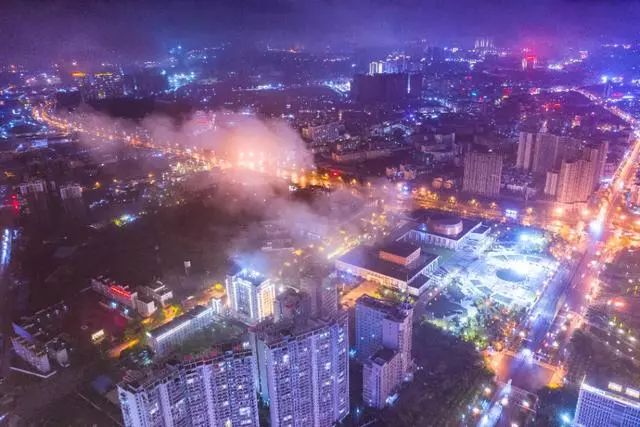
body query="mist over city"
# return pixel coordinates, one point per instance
(320, 213)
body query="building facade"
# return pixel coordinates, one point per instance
(252, 296)
(614, 406)
(383, 345)
(526, 146)
(382, 324)
(482, 173)
(575, 181)
(303, 371)
(213, 391)
(381, 375)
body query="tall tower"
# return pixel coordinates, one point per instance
(482, 173)
(383, 345)
(303, 370)
(526, 146)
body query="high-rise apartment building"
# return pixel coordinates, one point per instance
(616, 405)
(546, 153)
(381, 323)
(252, 295)
(574, 181)
(597, 154)
(526, 148)
(303, 370)
(550, 150)
(551, 183)
(72, 201)
(381, 375)
(216, 390)
(572, 170)
(383, 344)
(323, 292)
(482, 173)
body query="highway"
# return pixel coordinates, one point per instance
(6, 303)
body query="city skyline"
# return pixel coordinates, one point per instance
(286, 213)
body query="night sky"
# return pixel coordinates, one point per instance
(43, 31)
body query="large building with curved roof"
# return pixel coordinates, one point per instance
(442, 229)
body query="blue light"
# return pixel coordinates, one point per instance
(595, 227)
(531, 238)
(511, 213)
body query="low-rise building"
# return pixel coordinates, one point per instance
(38, 338)
(158, 292)
(145, 306)
(166, 337)
(116, 293)
(34, 353)
(398, 265)
(438, 229)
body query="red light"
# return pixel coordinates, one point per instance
(15, 204)
(119, 290)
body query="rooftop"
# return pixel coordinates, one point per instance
(383, 356)
(615, 390)
(399, 248)
(367, 258)
(137, 380)
(391, 309)
(422, 217)
(276, 333)
(178, 321)
(251, 276)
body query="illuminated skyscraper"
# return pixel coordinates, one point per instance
(303, 370)
(529, 62)
(549, 151)
(575, 181)
(376, 67)
(381, 324)
(216, 390)
(597, 154)
(383, 344)
(484, 45)
(252, 295)
(482, 173)
(526, 148)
